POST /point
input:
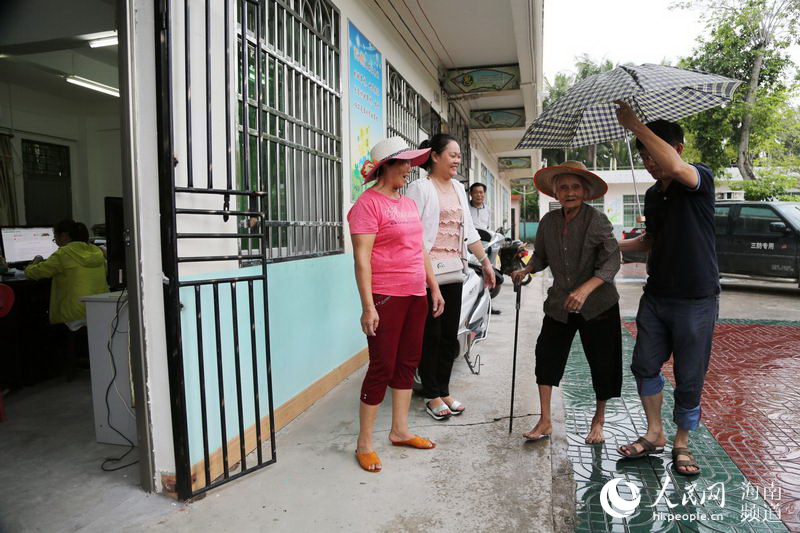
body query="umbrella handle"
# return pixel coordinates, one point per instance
(633, 175)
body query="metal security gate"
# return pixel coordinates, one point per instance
(216, 238)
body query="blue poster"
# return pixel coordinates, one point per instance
(366, 104)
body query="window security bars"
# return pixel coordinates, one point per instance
(597, 204)
(403, 112)
(291, 103)
(630, 210)
(458, 127)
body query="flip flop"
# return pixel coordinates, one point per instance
(435, 412)
(454, 407)
(534, 439)
(366, 460)
(684, 462)
(415, 442)
(648, 448)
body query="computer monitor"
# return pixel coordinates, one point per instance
(21, 245)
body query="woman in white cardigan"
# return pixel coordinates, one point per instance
(447, 233)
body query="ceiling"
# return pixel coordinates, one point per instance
(46, 72)
(477, 33)
(43, 41)
(450, 29)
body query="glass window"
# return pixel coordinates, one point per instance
(403, 114)
(630, 209)
(597, 204)
(721, 221)
(488, 179)
(755, 220)
(290, 149)
(408, 114)
(458, 128)
(792, 212)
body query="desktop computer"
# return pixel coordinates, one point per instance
(20, 245)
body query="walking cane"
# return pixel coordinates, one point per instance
(518, 290)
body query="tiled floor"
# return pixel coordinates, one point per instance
(594, 466)
(751, 405)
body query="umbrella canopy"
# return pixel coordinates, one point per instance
(586, 113)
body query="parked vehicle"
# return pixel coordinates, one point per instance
(492, 244)
(633, 257)
(512, 258)
(758, 240)
(476, 311)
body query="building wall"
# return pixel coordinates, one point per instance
(91, 131)
(613, 205)
(313, 303)
(501, 184)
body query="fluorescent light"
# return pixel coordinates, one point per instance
(93, 85)
(105, 41)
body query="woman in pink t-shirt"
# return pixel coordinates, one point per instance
(392, 273)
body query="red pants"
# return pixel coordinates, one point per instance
(396, 348)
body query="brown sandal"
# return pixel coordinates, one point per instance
(415, 442)
(684, 462)
(648, 448)
(368, 460)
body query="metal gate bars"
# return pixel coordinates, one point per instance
(214, 254)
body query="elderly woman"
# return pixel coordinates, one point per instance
(447, 225)
(578, 245)
(392, 272)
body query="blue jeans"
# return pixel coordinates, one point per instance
(683, 327)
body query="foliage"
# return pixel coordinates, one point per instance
(529, 203)
(745, 40)
(772, 184)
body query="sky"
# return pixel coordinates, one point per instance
(636, 31)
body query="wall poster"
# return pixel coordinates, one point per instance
(366, 104)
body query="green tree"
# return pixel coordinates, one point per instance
(746, 40)
(529, 202)
(770, 185)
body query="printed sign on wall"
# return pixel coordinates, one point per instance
(366, 104)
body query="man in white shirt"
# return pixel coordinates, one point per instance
(481, 217)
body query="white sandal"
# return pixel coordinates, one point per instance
(435, 412)
(454, 407)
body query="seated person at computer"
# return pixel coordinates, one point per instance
(78, 269)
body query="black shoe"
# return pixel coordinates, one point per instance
(496, 311)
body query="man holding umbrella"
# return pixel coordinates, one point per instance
(680, 304)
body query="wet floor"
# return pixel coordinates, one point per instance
(748, 445)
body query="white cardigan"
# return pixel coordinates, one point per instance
(423, 192)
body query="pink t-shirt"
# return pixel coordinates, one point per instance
(398, 267)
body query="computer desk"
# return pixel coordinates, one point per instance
(32, 351)
(30, 344)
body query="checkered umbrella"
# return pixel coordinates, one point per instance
(586, 113)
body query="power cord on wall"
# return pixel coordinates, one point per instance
(114, 327)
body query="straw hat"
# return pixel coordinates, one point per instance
(388, 149)
(545, 178)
